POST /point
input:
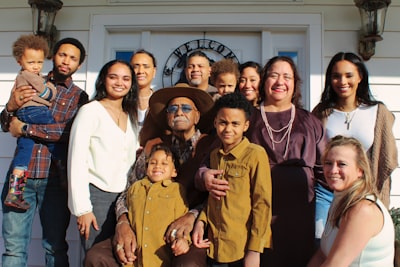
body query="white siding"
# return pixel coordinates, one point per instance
(340, 33)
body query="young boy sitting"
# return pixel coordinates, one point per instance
(153, 203)
(238, 225)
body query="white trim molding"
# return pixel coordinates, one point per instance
(104, 24)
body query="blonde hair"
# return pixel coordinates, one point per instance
(361, 187)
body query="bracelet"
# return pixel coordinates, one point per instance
(121, 222)
(9, 113)
(194, 212)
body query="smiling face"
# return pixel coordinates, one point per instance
(340, 167)
(160, 166)
(230, 124)
(279, 84)
(32, 60)
(249, 83)
(198, 72)
(118, 81)
(144, 68)
(345, 79)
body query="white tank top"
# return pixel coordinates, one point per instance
(379, 251)
(359, 123)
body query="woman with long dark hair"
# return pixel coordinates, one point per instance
(348, 108)
(103, 144)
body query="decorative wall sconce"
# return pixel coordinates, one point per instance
(43, 16)
(373, 14)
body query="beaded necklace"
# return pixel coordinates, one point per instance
(271, 130)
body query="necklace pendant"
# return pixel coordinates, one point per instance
(348, 125)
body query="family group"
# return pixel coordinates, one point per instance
(224, 169)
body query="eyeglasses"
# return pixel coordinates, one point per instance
(186, 108)
(276, 76)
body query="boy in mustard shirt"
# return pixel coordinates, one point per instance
(238, 225)
(153, 203)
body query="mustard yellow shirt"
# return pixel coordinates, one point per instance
(151, 208)
(241, 220)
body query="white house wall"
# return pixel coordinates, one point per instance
(340, 23)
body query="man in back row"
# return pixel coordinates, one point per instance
(198, 71)
(46, 187)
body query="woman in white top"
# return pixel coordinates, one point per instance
(145, 67)
(348, 108)
(359, 230)
(103, 144)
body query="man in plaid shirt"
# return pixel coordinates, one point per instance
(46, 184)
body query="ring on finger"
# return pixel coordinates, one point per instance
(119, 247)
(173, 233)
(21, 97)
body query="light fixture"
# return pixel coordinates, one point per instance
(43, 16)
(373, 14)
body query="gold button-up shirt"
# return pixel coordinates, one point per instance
(152, 207)
(241, 220)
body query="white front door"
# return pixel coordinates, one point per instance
(171, 47)
(168, 38)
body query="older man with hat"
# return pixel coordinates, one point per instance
(180, 117)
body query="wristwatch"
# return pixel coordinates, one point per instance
(24, 129)
(9, 113)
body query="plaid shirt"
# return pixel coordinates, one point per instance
(68, 100)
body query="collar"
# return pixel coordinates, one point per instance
(67, 83)
(238, 150)
(183, 150)
(147, 183)
(190, 142)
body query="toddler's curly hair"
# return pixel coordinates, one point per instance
(29, 41)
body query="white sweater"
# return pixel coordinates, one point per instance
(99, 153)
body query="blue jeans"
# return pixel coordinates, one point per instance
(31, 115)
(323, 202)
(50, 198)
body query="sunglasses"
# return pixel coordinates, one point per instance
(186, 108)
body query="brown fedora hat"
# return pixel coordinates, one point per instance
(159, 100)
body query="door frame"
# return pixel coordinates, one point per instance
(311, 24)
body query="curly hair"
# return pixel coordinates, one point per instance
(29, 41)
(233, 100)
(224, 66)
